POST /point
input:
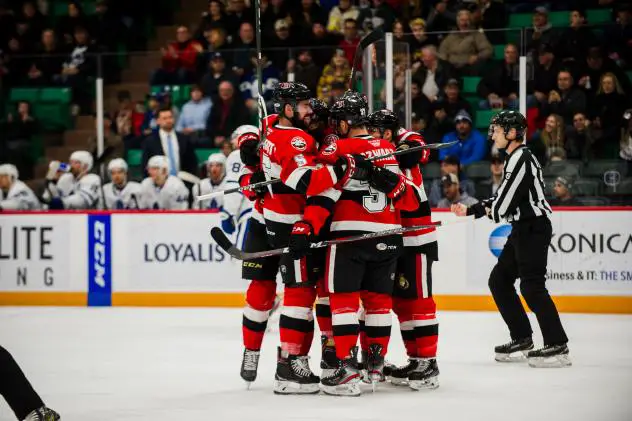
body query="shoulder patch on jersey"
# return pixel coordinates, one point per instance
(330, 149)
(298, 143)
(300, 160)
(330, 138)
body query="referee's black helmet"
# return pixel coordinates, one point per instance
(509, 119)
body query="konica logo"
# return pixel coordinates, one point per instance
(498, 238)
(99, 261)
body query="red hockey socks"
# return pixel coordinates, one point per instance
(259, 301)
(377, 319)
(403, 308)
(344, 316)
(426, 327)
(296, 324)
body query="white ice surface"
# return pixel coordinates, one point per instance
(116, 364)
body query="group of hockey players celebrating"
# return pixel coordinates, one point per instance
(337, 179)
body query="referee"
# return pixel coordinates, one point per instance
(520, 201)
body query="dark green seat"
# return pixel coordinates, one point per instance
(586, 187)
(561, 168)
(56, 95)
(560, 18)
(470, 83)
(499, 52)
(24, 94)
(431, 170)
(483, 117)
(134, 157)
(519, 20)
(597, 168)
(478, 170)
(203, 154)
(598, 16)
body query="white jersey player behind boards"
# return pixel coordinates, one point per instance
(77, 189)
(120, 193)
(161, 190)
(14, 194)
(216, 171)
(237, 207)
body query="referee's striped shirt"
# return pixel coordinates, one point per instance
(520, 195)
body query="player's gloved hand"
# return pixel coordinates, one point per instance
(300, 237)
(411, 159)
(56, 204)
(388, 182)
(228, 222)
(354, 167)
(248, 144)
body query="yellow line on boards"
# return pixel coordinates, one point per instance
(43, 299)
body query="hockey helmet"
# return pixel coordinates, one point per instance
(289, 93)
(351, 107)
(216, 158)
(246, 128)
(10, 170)
(84, 157)
(158, 161)
(509, 119)
(384, 119)
(320, 109)
(117, 164)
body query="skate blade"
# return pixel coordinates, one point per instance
(248, 385)
(396, 381)
(347, 389)
(282, 387)
(427, 384)
(556, 361)
(514, 357)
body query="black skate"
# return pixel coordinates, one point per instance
(249, 364)
(425, 375)
(514, 351)
(328, 361)
(374, 365)
(293, 375)
(399, 375)
(345, 380)
(42, 414)
(549, 356)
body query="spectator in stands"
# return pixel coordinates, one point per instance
(308, 12)
(78, 68)
(339, 14)
(281, 43)
(105, 28)
(113, 144)
(472, 146)
(421, 106)
(445, 109)
(305, 70)
(579, 139)
(381, 14)
(499, 85)
(217, 73)
(400, 31)
(193, 117)
(47, 61)
(321, 41)
(16, 62)
(550, 141)
(237, 13)
(433, 74)
(491, 15)
(593, 69)
(179, 60)
(228, 113)
(123, 117)
(18, 131)
(626, 138)
(465, 49)
(418, 123)
(244, 45)
(419, 38)
(607, 109)
(567, 100)
(249, 86)
(545, 76)
(563, 192)
(450, 165)
(619, 36)
(31, 24)
(213, 18)
(574, 41)
(271, 11)
(337, 89)
(443, 16)
(150, 120)
(351, 39)
(7, 24)
(452, 193)
(215, 42)
(337, 70)
(176, 147)
(542, 31)
(67, 25)
(487, 188)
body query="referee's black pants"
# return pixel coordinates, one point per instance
(15, 388)
(525, 256)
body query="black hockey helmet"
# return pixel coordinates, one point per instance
(384, 119)
(352, 107)
(509, 119)
(290, 93)
(320, 109)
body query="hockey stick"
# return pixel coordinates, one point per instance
(369, 39)
(188, 177)
(224, 242)
(431, 146)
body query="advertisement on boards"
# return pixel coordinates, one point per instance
(590, 252)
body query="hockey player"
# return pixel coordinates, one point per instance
(520, 200)
(216, 172)
(77, 189)
(366, 200)
(161, 190)
(14, 194)
(412, 294)
(120, 193)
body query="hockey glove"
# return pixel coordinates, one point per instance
(354, 167)
(299, 244)
(411, 159)
(256, 193)
(388, 182)
(249, 149)
(56, 204)
(228, 222)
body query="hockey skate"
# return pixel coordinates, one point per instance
(293, 375)
(249, 365)
(345, 380)
(374, 365)
(42, 414)
(399, 375)
(425, 375)
(550, 356)
(328, 361)
(514, 351)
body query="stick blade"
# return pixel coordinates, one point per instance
(372, 37)
(224, 242)
(436, 146)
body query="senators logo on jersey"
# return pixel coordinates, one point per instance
(330, 149)
(298, 143)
